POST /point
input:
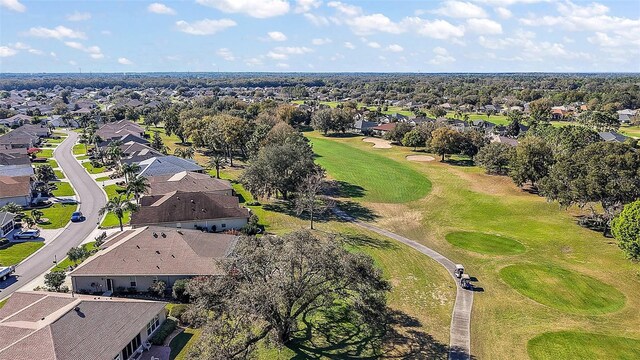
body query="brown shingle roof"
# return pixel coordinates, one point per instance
(169, 252)
(14, 186)
(70, 327)
(179, 206)
(186, 182)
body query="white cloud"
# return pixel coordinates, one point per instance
(604, 40)
(395, 48)
(105, 32)
(277, 36)
(282, 65)
(460, 9)
(226, 54)
(316, 19)
(349, 45)
(124, 61)
(484, 26)
(6, 51)
(204, 27)
(304, 6)
(436, 29)
(21, 46)
(255, 8)
(59, 32)
(14, 5)
(320, 41)
(277, 56)
(362, 24)
(503, 12)
(158, 8)
(35, 52)
(442, 57)
(79, 16)
(72, 63)
(504, 3)
(53, 54)
(373, 44)
(293, 50)
(93, 51)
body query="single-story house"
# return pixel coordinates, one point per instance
(7, 223)
(191, 210)
(17, 120)
(167, 165)
(187, 181)
(135, 152)
(383, 128)
(118, 129)
(504, 140)
(363, 125)
(137, 258)
(612, 136)
(62, 326)
(19, 139)
(14, 158)
(15, 189)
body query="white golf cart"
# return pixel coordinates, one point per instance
(459, 270)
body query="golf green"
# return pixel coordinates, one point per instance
(485, 243)
(562, 289)
(570, 345)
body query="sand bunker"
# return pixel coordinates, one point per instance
(421, 158)
(378, 143)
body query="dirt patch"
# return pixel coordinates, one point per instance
(421, 158)
(378, 143)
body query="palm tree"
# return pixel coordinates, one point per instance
(136, 186)
(217, 160)
(29, 221)
(36, 215)
(186, 153)
(129, 171)
(118, 206)
(114, 151)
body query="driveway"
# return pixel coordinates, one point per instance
(91, 198)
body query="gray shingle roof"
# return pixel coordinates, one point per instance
(165, 165)
(187, 182)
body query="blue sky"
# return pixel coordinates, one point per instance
(320, 36)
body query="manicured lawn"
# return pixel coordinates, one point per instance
(54, 141)
(496, 119)
(52, 162)
(82, 157)
(601, 293)
(17, 252)
(45, 153)
(369, 176)
(65, 263)
(103, 178)
(3, 302)
(574, 345)
(93, 170)
(79, 149)
(59, 174)
(58, 214)
(60, 133)
(111, 220)
(563, 289)
(115, 190)
(181, 344)
(633, 131)
(63, 189)
(485, 243)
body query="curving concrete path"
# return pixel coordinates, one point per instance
(460, 331)
(91, 198)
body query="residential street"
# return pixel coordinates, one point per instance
(91, 199)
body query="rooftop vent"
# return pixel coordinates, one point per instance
(163, 235)
(155, 235)
(158, 252)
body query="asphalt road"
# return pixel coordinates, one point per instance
(91, 198)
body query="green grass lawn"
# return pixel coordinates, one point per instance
(601, 292)
(45, 153)
(563, 289)
(103, 178)
(633, 131)
(574, 345)
(16, 252)
(58, 215)
(111, 220)
(181, 344)
(60, 133)
(59, 174)
(63, 189)
(79, 149)
(93, 170)
(52, 162)
(65, 263)
(369, 176)
(115, 190)
(3, 302)
(54, 141)
(485, 243)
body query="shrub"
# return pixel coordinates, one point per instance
(165, 330)
(132, 290)
(177, 310)
(179, 290)
(158, 288)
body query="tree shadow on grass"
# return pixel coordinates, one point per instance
(343, 189)
(356, 210)
(339, 334)
(361, 240)
(288, 207)
(459, 162)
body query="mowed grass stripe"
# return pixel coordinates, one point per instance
(384, 180)
(485, 243)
